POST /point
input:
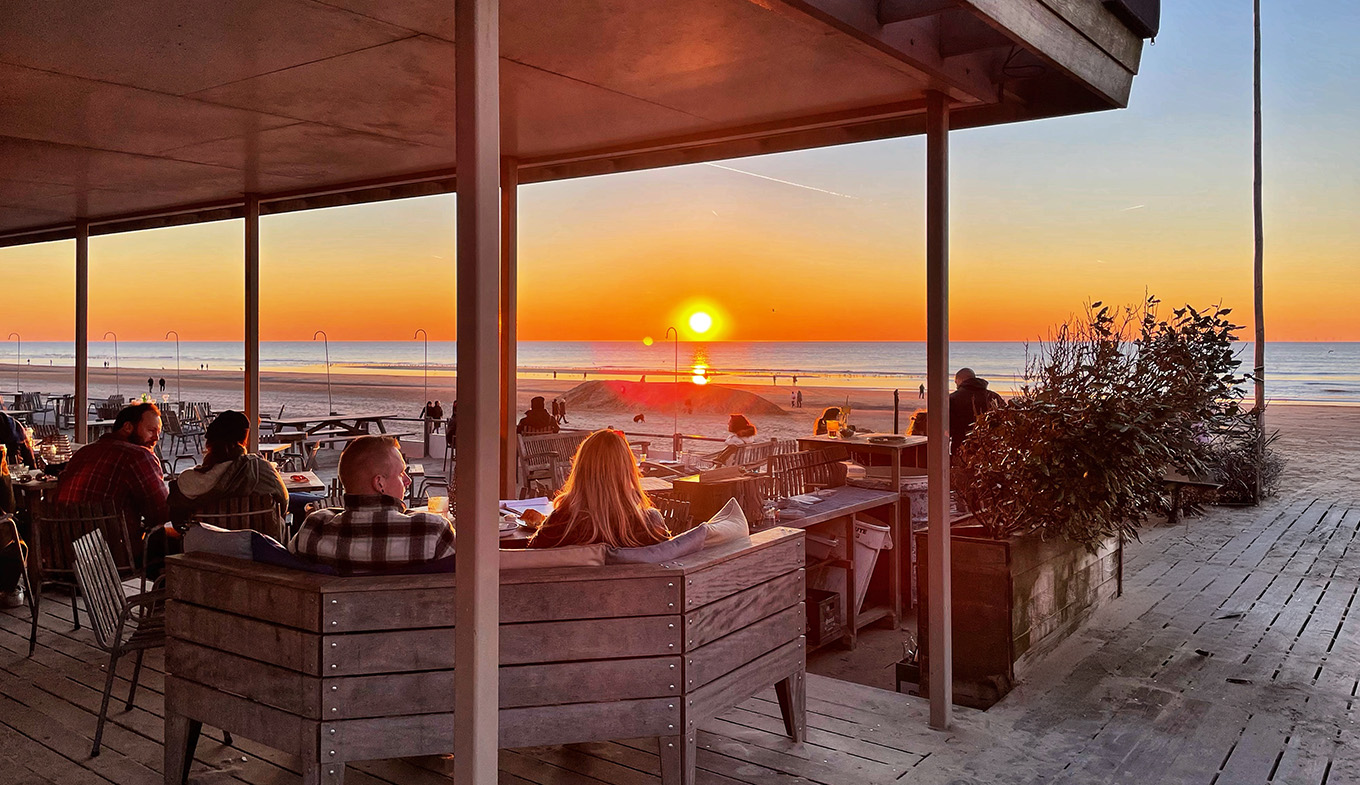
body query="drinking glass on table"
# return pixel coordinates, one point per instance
(832, 428)
(439, 505)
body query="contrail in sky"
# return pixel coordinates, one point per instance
(783, 182)
(1135, 207)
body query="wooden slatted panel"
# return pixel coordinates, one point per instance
(293, 602)
(254, 680)
(743, 608)
(590, 639)
(714, 583)
(726, 654)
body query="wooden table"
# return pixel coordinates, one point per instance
(98, 428)
(352, 424)
(22, 415)
(838, 506)
(911, 451)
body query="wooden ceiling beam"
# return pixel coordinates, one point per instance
(890, 11)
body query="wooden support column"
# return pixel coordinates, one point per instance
(509, 336)
(477, 158)
(82, 405)
(937, 404)
(252, 259)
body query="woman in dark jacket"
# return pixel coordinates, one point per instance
(227, 472)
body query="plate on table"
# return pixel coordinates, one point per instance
(887, 439)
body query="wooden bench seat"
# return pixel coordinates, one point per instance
(341, 669)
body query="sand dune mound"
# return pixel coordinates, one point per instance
(660, 397)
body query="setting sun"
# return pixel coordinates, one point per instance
(700, 322)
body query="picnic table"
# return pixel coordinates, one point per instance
(351, 424)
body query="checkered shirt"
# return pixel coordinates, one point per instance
(114, 469)
(372, 533)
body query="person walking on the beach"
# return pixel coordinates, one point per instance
(150, 385)
(800, 400)
(438, 414)
(162, 385)
(970, 401)
(923, 391)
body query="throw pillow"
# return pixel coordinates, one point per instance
(728, 525)
(691, 541)
(536, 558)
(203, 538)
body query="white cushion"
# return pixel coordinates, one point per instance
(727, 525)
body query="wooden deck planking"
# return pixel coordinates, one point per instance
(1267, 597)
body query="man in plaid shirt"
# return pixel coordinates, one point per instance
(374, 532)
(122, 468)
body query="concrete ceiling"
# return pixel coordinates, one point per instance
(119, 110)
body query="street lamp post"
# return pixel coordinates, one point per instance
(18, 358)
(330, 407)
(675, 395)
(427, 361)
(117, 387)
(179, 388)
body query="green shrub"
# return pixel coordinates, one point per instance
(1111, 402)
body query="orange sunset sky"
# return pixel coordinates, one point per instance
(829, 244)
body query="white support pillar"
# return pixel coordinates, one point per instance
(941, 652)
(477, 159)
(509, 336)
(82, 405)
(252, 338)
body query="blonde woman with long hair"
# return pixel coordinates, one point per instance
(603, 500)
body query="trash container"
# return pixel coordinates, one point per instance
(870, 538)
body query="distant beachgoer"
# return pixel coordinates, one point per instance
(923, 392)
(829, 413)
(970, 401)
(689, 406)
(800, 400)
(537, 419)
(427, 411)
(162, 385)
(554, 374)
(795, 381)
(437, 414)
(639, 418)
(555, 409)
(562, 409)
(150, 385)
(643, 379)
(603, 500)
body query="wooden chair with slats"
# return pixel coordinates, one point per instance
(674, 511)
(57, 526)
(809, 470)
(9, 537)
(263, 514)
(545, 461)
(121, 624)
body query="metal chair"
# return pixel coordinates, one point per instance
(263, 514)
(9, 533)
(56, 526)
(180, 436)
(121, 624)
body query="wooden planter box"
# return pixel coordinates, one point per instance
(1013, 600)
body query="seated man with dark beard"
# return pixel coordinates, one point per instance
(123, 468)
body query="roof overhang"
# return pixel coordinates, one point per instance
(154, 113)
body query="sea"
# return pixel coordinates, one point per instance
(1325, 373)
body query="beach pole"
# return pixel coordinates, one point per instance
(179, 387)
(897, 402)
(425, 426)
(82, 403)
(476, 680)
(1258, 265)
(509, 359)
(18, 359)
(675, 398)
(252, 316)
(939, 590)
(326, 342)
(117, 386)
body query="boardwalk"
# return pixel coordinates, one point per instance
(1231, 658)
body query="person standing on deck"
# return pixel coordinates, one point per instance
(970, 401)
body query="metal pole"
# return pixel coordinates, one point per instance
(425, 414)
(18, 359)
(675, 397)
(509, 333)
(897, 404)
(252, 318)
(419, 333)
(476, 680)
(1258, 266)
(82, 402)
(937, 386)
(117, 386)
(326, 342)
(179, 386)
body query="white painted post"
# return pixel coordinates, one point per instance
(477, 159)
(937, 403)
(509, 349)
(252, 261)
(82, 404)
